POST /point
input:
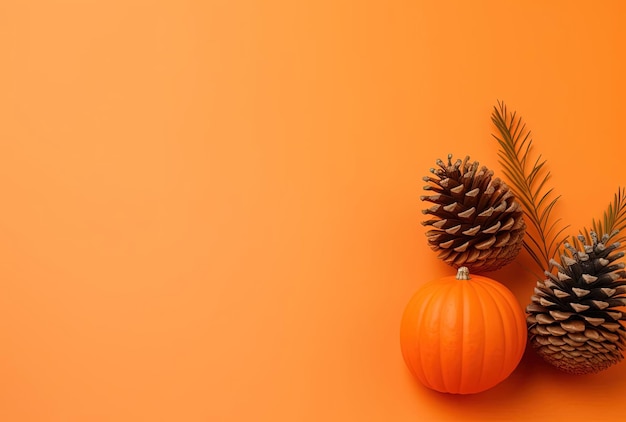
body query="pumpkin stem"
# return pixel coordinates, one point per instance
(463, 273)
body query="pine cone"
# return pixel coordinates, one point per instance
(574, 320)
(476, 221)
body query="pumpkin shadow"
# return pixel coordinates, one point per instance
(497, 403)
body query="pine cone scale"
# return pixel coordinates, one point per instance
(582, 333)
(475, 220)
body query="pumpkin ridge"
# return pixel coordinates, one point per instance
(421, 373)
(494, 291)
(520, 327)
(496, 303)
(443, 296)
(477, 298)
(461, 311)
(510, 312)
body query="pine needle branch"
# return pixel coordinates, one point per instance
(528, 180)
(612, 224)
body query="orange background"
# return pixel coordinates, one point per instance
(210, 208)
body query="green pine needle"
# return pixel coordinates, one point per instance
(528, 181)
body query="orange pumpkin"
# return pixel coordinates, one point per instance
(463, 335)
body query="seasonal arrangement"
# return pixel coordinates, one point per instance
(466, 334)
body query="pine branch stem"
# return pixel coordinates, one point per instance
(529, 185)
